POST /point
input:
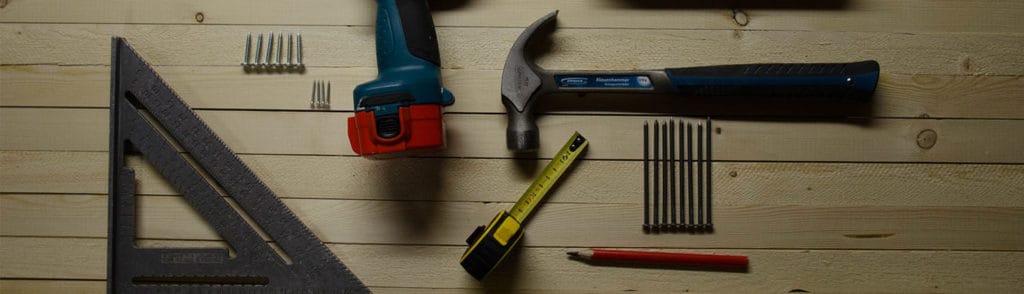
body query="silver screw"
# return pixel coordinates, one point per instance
(298, 50)
(290, 50)
(248, 46)
(280, 45)
(312, 97)
(270, 50)
(259, 51)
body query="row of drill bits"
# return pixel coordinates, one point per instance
(321, 98)
(694, 209)
(270, 62)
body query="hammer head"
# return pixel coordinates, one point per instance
(520, 85)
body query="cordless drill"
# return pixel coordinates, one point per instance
(401, 111)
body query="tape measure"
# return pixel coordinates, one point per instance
(489, 245)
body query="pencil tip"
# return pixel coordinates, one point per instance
(573, 253)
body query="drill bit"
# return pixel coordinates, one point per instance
(700, 176)
(708, 166)
(647, 183)
(664, 175)
(689, 171)
(655, 162)
(672, 170)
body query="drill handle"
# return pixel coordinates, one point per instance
(832, 80)
(405, 29)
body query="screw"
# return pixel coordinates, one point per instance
(259, 51)
(280, 47)
(298, 50)
(312, 97)
(270, 50)
(290, 50)
(328, 104)
(248, 46)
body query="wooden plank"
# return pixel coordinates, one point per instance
(613, 137)
(555, 225)
(51, 286)
(98, 286)
(548, 269)
(936, 96)
(915, 16)
(594, 181)
(487, 48)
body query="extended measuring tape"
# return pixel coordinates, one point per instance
(489, 245)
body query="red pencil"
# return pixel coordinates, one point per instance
(660, 257)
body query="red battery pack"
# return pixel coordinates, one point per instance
(418, 128)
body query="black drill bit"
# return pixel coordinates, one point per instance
(664, 174)
(647, 183)
(682, 175)
(700, 176)
(689, 170)
(708, 166)
(672, 170)
(654, 212)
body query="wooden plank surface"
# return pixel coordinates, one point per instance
(823, 196)
(996, 16)
(607, 182)
(487, 48)
(205, 87)
(555, 225)
(617, 137)
(545, 268)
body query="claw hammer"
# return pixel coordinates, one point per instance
(523, 83)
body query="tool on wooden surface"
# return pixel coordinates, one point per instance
(273, 58)
(660, 257)
(489, 245)
(696, 201)
(321, 97)
(148, 118)
(523, 83)
(401, 111)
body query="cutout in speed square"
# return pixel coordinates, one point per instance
(140, 104)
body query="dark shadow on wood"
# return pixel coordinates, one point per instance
(443, 5)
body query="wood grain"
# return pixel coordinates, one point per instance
(886, 16)
(203, 87)
(554, 225)
(544, 268)
(613, 137)
(593, 181)
(823, 196)
(487, 48)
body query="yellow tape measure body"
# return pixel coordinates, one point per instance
(489, 245)
(542, 184)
